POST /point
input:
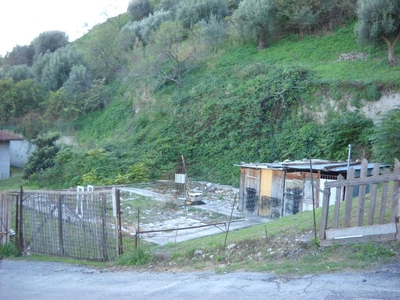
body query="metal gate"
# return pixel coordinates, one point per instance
(80, 225)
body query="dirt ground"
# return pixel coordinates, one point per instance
(49, 280)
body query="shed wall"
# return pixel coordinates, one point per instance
(4, 160)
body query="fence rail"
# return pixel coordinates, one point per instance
(365, 220)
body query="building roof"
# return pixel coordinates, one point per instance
(324, 166)
(6, 136)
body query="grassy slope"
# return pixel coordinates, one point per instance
(215, 119)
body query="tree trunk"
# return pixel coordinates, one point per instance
(391, 46)
(261, 42)
(391, 58)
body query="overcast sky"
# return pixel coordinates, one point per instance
(23, 20)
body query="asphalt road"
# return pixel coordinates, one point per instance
(48, 280)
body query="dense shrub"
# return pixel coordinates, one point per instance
(43, 157)
(17, 72)
(386, 138)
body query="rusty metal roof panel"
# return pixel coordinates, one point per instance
(6, 136)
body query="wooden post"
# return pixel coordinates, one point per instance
(373, 192)
(361, 193)
(395, 196)
(324, 213)
(60, 227)
(137, 230)
(385, 188)
(349, 198)
(104, 228)
(230, 219)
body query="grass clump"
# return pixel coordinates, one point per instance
(9, 250)
(138, 257)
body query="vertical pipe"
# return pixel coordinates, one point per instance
(60, 227)
(348, 158)
(118, 199)
(16, 242)
(313, 201)
(20, 238)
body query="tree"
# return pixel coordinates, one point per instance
(104, 56)
(167, 57)
(52, 69)
(255, 19)
(79, 80)
(43, 157)
(213, 32)
(17, 72)
(379, 20)
(142, 30)
(18, 99)
(20, 55)
(139, 9)
(168, 5)
(386, 138)
(190, 12)
(49, 41)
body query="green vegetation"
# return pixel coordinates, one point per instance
(9, 250)
(169, 78)
(138, 257)
(284, 246)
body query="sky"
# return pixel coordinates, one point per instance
(21, 21)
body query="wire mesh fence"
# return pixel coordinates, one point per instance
(78, 225)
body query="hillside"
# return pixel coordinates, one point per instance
(240, 104)
(171, 91)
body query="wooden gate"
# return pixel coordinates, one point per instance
(367, 217)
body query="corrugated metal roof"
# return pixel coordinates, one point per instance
(5, 136)
(317, 165)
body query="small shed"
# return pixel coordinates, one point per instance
(285, 188)
(5, 139)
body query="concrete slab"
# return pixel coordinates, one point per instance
(172, 235)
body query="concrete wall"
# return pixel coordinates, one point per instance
(4, 160)
(19, 152)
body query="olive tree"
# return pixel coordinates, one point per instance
(213, 32)
(190, 12)
(142, 30)
(139, 9)
(379, 21)
(255, 19)
(17, 72)
(168, 5)
(167, 58)
(49, 41)
(20, 55)
(52, 69)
